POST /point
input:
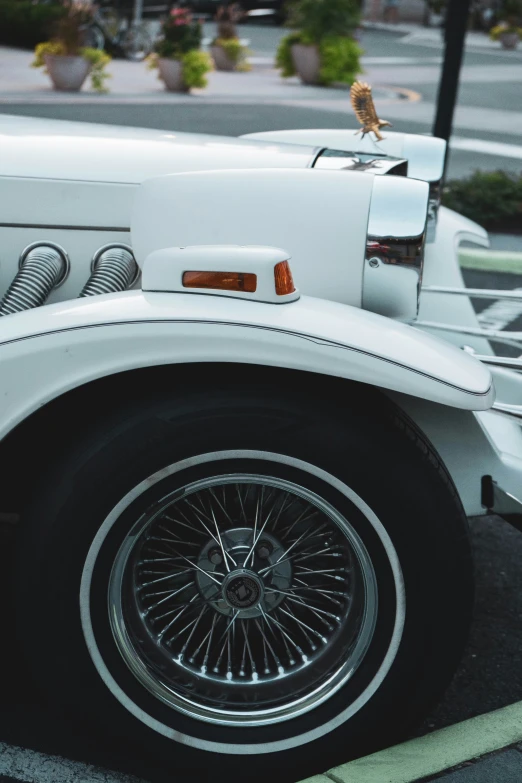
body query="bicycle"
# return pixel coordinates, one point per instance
(118, 34)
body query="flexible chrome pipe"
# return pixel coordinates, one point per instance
(42, 267)
(113, 269)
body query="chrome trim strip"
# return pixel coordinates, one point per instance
(65, 227)
(311, 338)
(506, 409)
(509, 338)
(476, 293)
(500, 361)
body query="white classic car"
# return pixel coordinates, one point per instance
(242, 468)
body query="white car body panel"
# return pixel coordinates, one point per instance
(48, 351)
(75, 184)
(85, 152)
(327, 253)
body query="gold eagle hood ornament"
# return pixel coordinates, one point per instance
(364, 108)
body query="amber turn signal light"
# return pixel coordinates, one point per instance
(222, 281)
(284, 283)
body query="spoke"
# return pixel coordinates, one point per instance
(284, 634)
(215, 620)
(207, 573)
(221, 542)
(183, 524)
(322, 552)
(255, 538)
(285, 553)
(175, 538)
(171, 623)
(218, 541)
(166, 598)
(241, 504)
(191, 603)
(266, 644)
(325, 571)
(293, 499)
(318, 612)
(300, 518)
(191, 634)
(244, 626)
(222, 507)
(303, 625)
(325, 593)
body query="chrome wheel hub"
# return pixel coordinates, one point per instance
(242, 599)
(254, 566)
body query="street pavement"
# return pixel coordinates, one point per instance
(404, 66)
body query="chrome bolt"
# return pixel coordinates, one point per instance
(374, 262)
(215, 557)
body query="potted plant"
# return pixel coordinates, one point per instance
(509, 30)
(322, 49)
(65, 59)
(226, 49)
(177, 54)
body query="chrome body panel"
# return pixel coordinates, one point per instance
(395, 248)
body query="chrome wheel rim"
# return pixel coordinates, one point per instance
(242, 600)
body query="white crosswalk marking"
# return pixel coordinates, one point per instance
(500, 314)
(486, 147)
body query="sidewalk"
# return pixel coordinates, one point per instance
(418, 34)
(467, 752)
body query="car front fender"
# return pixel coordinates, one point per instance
(51, 350)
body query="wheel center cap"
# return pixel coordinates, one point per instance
(242, 589)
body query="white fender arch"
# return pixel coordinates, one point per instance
(49, 351)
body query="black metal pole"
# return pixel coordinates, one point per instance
(455, 33)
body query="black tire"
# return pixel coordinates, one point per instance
(370, 446)
(93, 37)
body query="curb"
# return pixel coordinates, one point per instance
(491, 260)
(434, 753)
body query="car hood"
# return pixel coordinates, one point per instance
(56, 149)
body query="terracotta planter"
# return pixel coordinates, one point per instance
(509, 40)
(221, 59)
(67, 73)
(307, 62)
(171, 71)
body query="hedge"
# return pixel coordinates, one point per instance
(491, 198)
(25, 24)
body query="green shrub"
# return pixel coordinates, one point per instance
(196, 65)
(24, 23)
(329, 25)
(318, 19)
(491, 198)
(340, 57)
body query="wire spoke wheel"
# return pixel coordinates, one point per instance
(242, 599)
